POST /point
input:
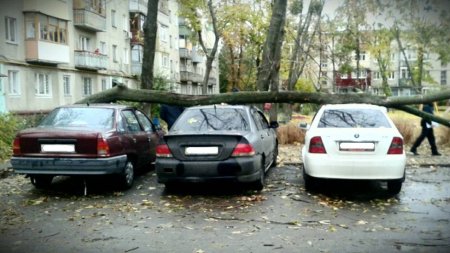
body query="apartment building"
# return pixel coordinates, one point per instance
(399, 79)
(56, 52)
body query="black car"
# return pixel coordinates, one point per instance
(218, 142)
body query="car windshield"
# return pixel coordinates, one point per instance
(351, 118)
(212, 119)
(91, 118)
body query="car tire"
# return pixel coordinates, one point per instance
(127, 176)
(310, 182)
(394, 186)
(41, 181)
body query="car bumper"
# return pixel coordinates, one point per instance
(361, 167)
(242, 169)
(69, 166)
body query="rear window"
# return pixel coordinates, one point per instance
(353, 118)
(212, 119)
(91, 118)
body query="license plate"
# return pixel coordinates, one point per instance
(58, 148)
(357, 146)
(201, 150)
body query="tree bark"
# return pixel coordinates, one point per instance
(150, 33)
(272, 46)
(121, 92)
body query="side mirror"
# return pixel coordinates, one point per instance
(304, 126)
(274, 124)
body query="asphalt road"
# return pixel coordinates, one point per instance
(342, 217)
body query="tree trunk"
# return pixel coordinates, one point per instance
(121, 92)
(150, 33)
(272, 46)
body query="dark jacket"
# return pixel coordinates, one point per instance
(170, 113)
(428, 108)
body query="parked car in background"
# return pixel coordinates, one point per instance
(218, 142)
(83, 140)
(353, 141)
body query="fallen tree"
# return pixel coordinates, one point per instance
(122, 93)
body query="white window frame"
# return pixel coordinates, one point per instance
(391, 75)
(84, 43)
(443, 77)
(14, 82)
(87, 86)
(164, 33)
(66, 86)
(165, 61)
(43, 85)
(114, 53)
(126, 56)
(103, 48)
(113, 18)
(11, 29)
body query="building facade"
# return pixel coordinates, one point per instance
(56, 52)
(435, 75)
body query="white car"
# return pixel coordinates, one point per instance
(353, 141)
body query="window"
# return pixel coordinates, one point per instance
(125, 23)
(351, 118)
(126, 58)
(130, 121)
(87, 86)
(391, 75)
(84, 43)
(43, 27)
(11, 29)
(145, 122)
(404, 73)
(43, 85)
(66, 85)
(103, 47)
(376, 75)
(362, 56)
(14, 84)
(105, 85)
(114, 52)
(163, 33)
(443, 77)
(165, 61)
(113, 18)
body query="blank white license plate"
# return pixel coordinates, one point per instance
(58, 148)
(357, 146)
(201, 150)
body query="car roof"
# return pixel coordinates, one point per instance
(107, 106)
(354, 106)
(220, 106)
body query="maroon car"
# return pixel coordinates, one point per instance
(96, 139)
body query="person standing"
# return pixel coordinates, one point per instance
(170, 113)
(427, 132)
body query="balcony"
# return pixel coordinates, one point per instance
(196, 56)
(185, 53)
(89, 20)
(136, 68)
(138, 6)
(90, 60)
(44, 52)
(137, 37)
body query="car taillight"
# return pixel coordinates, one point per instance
(163, 150)
(16, 146)
(243, 149)
(396, 147)
(102, 147)
(316, 145)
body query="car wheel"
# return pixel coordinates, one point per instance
(41, 181)
(275, 156)
(127, 176)
(310, 182)
(394, 186)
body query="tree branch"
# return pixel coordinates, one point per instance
(121, 92)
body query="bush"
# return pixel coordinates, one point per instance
(9, 125)
(290, 134)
